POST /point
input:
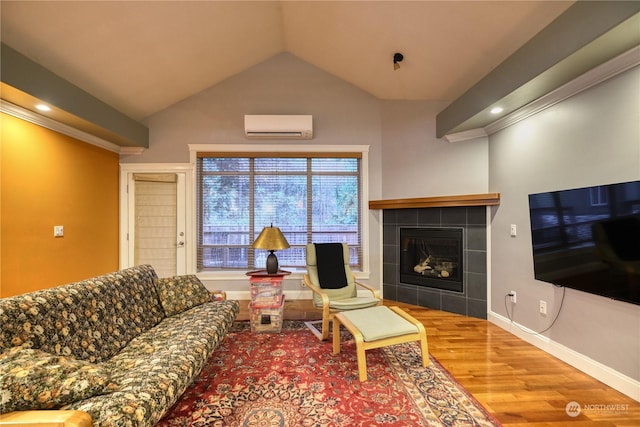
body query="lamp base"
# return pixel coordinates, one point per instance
(272, 263)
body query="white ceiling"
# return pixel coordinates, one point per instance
(141, 57)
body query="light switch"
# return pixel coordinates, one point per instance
(513, 230)
(58, 230)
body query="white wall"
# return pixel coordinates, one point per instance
(592, 138)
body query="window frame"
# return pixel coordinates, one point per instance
(252, 149)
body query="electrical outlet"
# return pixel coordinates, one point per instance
(543, 307)
(512, 296)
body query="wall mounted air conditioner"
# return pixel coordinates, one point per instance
(278, 126)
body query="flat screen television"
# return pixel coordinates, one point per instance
(589, 239)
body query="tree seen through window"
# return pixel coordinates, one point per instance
(311, 200)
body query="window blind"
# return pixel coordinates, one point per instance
(311, 197)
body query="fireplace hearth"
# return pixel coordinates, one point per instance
(432, 257)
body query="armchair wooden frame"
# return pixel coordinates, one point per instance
(328, 312)
(361, 345)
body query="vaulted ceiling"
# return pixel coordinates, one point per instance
(141, 57)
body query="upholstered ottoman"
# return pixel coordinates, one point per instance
(377, 327)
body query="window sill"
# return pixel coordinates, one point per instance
(296, 274)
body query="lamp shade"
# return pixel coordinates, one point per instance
(271, 239)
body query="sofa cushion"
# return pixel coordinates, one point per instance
(180, 293)
(156, 367)
(34, 379)
(90, 320)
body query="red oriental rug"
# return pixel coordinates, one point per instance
(293, 379)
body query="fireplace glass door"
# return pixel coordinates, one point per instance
(432, 257)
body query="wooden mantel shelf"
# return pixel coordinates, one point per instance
(489, 199)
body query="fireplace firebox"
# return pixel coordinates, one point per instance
(432, 257)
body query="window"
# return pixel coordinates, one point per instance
(311, 197)
(599, 196)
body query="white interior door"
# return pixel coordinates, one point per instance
(156, 221)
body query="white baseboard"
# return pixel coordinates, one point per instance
(597, 370)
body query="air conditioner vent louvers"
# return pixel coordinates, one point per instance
(278, 126)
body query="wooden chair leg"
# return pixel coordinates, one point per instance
(362, 357)
(325, 328)
(424, 348)
(336, 336)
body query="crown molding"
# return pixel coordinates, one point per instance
(618, 65)
(25, 82)
(466, 135)
(131, 151)
(54, 125)
(591, 78)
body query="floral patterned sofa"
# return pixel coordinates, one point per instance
(121, 347)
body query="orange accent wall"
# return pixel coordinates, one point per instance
(49, 179)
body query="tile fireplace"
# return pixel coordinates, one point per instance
(455, 276)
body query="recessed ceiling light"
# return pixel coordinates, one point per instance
(497, 110)
(43, 107)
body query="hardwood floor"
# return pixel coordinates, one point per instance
(515, 381)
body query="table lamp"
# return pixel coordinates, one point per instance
(271, 239)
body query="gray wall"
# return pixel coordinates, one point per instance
(592, 138)
(342, 115)
(417, 164)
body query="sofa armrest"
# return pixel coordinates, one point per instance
(46, 419)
